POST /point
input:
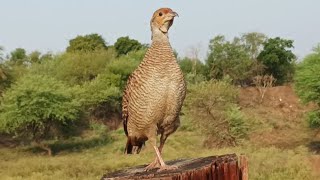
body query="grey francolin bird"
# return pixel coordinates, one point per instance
(154, 93)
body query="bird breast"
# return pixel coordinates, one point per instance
(157, 89)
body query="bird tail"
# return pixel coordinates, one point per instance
(129, 147)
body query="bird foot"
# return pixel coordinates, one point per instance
(167, 167)
(153, 165)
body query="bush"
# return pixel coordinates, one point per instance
(124, 45)
(87, 43)
(278, 58)
(307, 84)
(100, 98)
(237, 123)
(75, 68)
(194, 78)
(36, 106)
(229, 58)
(212, 106)
(103, 95)
(314, 119)
(125, 65)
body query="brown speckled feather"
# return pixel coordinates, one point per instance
(154, 94)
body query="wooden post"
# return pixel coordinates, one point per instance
(244, 167)
(225, 167)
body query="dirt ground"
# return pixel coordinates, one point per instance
(283, 112)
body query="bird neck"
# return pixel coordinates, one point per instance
(159, 36)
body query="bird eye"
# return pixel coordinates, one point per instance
(160, 13)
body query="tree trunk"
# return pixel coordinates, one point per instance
(225, 167)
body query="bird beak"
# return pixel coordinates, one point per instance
(174, 14)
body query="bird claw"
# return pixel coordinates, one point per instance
(166, 168)
(153, 165)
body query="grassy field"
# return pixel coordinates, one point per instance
(278, 147)
(90, 158)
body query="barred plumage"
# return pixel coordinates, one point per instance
(155, 91)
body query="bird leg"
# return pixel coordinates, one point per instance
(158, 162)
(163, 166)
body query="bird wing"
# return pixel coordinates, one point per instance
(125, 102)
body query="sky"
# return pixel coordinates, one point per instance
(49, 25)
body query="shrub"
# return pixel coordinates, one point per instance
(278, 58)
(212, 107)
(307, 84)
(125, 65)
(36, 106)
(75, 68)
(124, 45)
(237, 123)
(87, 43)
(314, 119)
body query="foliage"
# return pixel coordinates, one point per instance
(35, 105)
(87, 43)
(1, 53)
(229, 58)
(125, 65)
(188, 65)
(104, 88)
(314, 119)
(124, 45)
(5, 77)
(212, 107)
(192, 78)
(307, 84)
(278, 59)
(18, 56)
(237, 123)
(75, 68)
(194, 70)
(253, 42)
(262, 83)
(46, 57)
(34, 57)
(77, 160)
(102, 96)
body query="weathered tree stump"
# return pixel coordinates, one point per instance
(225, 167)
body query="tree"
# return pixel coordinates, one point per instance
(5, 78)
(212, 106)
(87, 43)
(190, 66)
(307, 84)
(74, 68)
(46, 57)
(229, 58)
(18, 56)
(36, 107)
(103, 94)
(278, 58)
(124, 45)
(34, 57)
(194, 70)
(125, 65)
(1, 53)
(253, 41)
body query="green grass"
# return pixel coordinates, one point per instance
(92, 162)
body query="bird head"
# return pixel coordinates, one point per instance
(162, 20)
